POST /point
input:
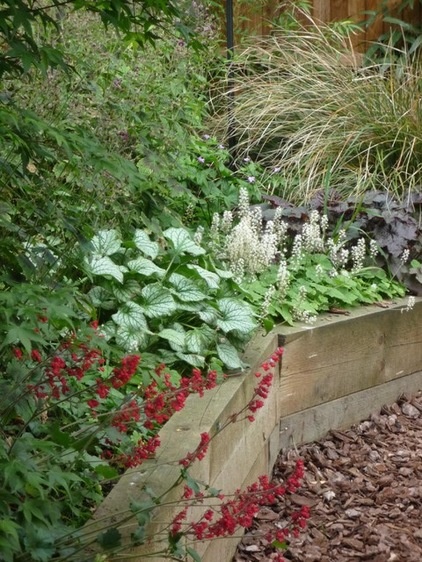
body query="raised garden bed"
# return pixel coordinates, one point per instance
(332, 375)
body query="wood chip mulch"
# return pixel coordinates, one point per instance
(364, 490)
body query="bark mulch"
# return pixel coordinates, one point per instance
(364, 490)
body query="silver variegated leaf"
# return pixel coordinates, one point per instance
(101, 298)
(235, 316)
(189, 306)
(107, 330)
(192, 359)
(104, 266)
(185, 289)
(128, 291)
(198, 339)
(131, 339)
(146, 267)
(182, 242)
(131, 315)
(145, 244)
(224, 273)
(175, 338)
(210, 278)
(209, 315)
(158, 301)
(229, 355)
(106, 242)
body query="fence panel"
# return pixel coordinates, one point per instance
(254, 18)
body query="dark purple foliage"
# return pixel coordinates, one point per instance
(394, 225)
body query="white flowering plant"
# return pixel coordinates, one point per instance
(293, 278)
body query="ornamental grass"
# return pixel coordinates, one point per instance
(307, 108)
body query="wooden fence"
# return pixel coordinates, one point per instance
(255, 17)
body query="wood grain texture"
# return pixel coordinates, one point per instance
(322, 10)
(339, 10)
(253, 19)
(332, 375)
(312, 424)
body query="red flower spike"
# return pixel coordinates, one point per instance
(17, 353)
(36, 356)
(188, 493)
(176, 525)
(199, 453)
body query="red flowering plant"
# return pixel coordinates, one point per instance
(73, 417)
(205, 513)
(236, 512)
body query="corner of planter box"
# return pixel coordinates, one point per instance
(333, 373)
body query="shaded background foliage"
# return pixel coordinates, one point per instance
(104, 138)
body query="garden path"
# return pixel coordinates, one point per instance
(364, 490)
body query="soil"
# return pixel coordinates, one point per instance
(364, 490)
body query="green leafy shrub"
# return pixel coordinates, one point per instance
(404, 32)
(208, 183)
(96, 146)
(72, 420)
(70, 426)
(394, 226)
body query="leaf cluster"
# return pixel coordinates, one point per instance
(48, 480)
(394, 225)
(403, 33)
(163, 294)
(316, 288)
(25, 28)
(99, 146)
(292, 263)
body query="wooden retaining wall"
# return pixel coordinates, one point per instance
(333, 375)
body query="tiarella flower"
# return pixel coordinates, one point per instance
(297, 250)
(319, 270)
(304, 316)
(250, 247)
(404, 258)
(280, 226)
(197, 237)
(243, 205)
(312, 236)
(266, 303)
(283, 278)
(410, 303)
(339, 256)
(226, 222)
(358, 253)
(215, 227)
(324, 223)
(373, 249)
